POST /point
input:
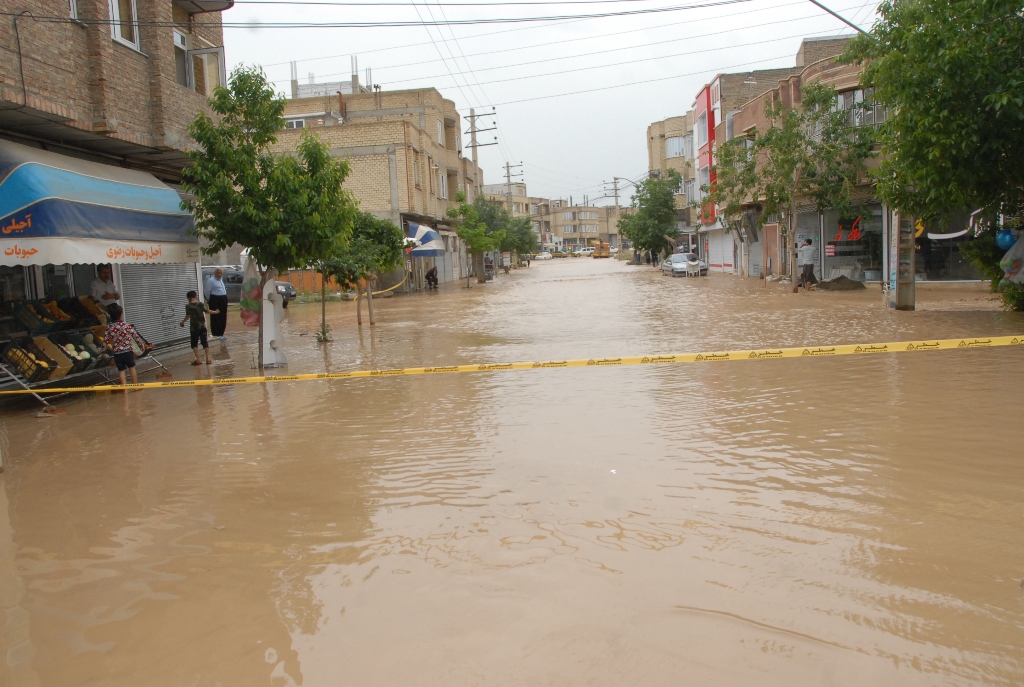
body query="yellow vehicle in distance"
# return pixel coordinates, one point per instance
(602, 249)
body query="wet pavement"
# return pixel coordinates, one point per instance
(842, 521)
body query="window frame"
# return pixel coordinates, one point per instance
(416, 174)
(673, 147)
(190, 66)
(116, 22)
(298, 123)
(702, 129)
(440, 132)
(442, 185)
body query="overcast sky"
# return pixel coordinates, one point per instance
(568, 142)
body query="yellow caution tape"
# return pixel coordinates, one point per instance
(708, 357)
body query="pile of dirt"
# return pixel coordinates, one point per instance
(841, 284)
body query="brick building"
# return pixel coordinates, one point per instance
(716, 106)
(670, 146)
(406, 155)
(95, 103)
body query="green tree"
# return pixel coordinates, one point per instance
(735, 173)
(814, 152)
(652, 225)
(951, 75)
(519, 236)
(375, 248)
(474, 232)
(287, 209)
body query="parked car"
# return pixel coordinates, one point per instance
(589, 250)
(287, 292)
(232, 280)
(684, 264)
(542, 256)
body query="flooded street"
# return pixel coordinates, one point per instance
(844, 521)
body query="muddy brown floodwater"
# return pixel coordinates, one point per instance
(847, 521)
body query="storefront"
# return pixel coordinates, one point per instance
(61, 218)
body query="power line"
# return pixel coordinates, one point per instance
(615, 64)
(583, 54)
(645, 81)
(445, 4)
(531, 28)
(394, 24)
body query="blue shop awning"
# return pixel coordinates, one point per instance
(428, 242)
(56, 209)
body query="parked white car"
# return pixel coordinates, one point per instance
(684, 264)
(589, 250)
(542, 256)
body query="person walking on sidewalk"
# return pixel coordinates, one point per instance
(806, 259)
(195, 315)
(217, 299)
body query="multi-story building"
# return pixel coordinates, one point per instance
(670, 147)
(95, 103)
(406, 157)
(513, 196)
(858, 247)
(714, 108)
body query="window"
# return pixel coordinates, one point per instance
(861, 107)
(515, 207)
(702, 129)
(569, 229)
(588, 228)
(536, 227)
(442, 185)
(690, 191)
(181, 57)
(74, 8)
(469, 193)
(205, 70)
(124, 22)
(534, 209)
(458, 143)
(440, 132)
(567, 215)
(295, 124)
(558, 203)
(416, 173)
(688, 146)
(586, 215)
(705, 177)
(674, 146)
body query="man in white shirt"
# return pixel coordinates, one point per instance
(806, 259)
(102, 288)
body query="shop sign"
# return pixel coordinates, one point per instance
(830, 250)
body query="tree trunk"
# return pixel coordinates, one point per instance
(792, 247)
(323, 305)
(369, 300)
(359, 306)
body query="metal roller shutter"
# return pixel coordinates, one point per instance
(154, 299)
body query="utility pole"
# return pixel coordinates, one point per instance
(508, 181)
(474, 130)
(615, 195)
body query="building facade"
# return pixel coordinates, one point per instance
(715, 109)
(670, 146)
(406, 156)
(95, 104)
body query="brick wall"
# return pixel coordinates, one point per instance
(81, 73)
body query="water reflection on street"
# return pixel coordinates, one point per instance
(843, 521)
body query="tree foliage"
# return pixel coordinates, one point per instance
(735, 173)
(473, 229)
(652, 225)
(951, 74)
(287, 209)
(374, 249)
(518, 231)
